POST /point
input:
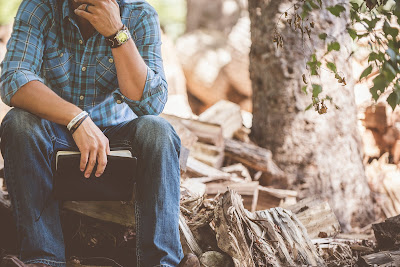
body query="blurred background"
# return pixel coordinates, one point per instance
(224, 69)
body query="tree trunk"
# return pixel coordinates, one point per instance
(321, 154)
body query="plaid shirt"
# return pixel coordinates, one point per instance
(47, 46)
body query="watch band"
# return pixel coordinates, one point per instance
(119, 38)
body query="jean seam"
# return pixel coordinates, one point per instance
(137, 213)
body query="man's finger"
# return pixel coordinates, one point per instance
(84, 160)
(86, 15)
(101, 162)
(91, 163)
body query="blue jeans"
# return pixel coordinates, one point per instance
(29, 144)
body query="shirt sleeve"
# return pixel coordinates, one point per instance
(23, 60)
(147, 37)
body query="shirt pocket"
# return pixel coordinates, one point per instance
(57, 67)
(106, 74)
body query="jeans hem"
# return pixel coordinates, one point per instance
(47, 262)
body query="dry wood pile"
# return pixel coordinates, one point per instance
(227, 217)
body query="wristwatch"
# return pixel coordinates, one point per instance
(118, 39)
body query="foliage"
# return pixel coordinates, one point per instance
(172, 15)
(378, 19)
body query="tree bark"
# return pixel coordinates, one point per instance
(321, 154)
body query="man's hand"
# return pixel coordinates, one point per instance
(94, 147)
(104, 15)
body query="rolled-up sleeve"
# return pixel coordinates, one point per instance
(23, 60)
(147, 37)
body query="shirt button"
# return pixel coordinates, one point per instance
(81, 97)
(80, 42)
(119, 101)
(111, 60)
(83, 68)
(61, 54)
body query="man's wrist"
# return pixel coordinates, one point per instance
(119, 38)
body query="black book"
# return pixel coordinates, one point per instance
(115, 184)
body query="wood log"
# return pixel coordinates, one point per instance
(188, 239)
(215, 259)
(196, 168)
(269, 197)
(252, 156)
(226, 114)
(387, 233)
(375, 118)
(208, 133)
(317, 217)
(237, 70)
(383, 258)
(384, 181)
(247, 190)
(203, 54)
(264, 238)
(208, 154)
(238, 170)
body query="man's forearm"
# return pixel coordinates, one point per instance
(131, 70)
(40, 100)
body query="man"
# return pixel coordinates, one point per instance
(73, 63)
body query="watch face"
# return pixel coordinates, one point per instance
(122, 37)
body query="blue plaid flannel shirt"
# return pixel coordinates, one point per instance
(47, 46)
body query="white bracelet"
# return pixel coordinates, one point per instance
(76, 119)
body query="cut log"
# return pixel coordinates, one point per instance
(188, 239)
(317, 217)
(215, 259)
(188, 138)
(208, 154)
(375, 118)
(387, 233)
(252, 156)
(196, 168)
(203, 54)
(247, 190)
(121, 213)
(237, 70)
(383, 258)
(265, 238)
(208, 133)
(226, 114)
(271, 197)
(238, 170)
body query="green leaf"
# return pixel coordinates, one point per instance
(355, 6)
(304, 89)
(376, 56)
(393, 100)
(317, 89)
(352, 33)
(366, 72)
(309, 107)
(333, 46)
(388, 30)
(336, 10)
(323, 36)
(331, 66)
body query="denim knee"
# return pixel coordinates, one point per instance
(156, 132)
(22, 126)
